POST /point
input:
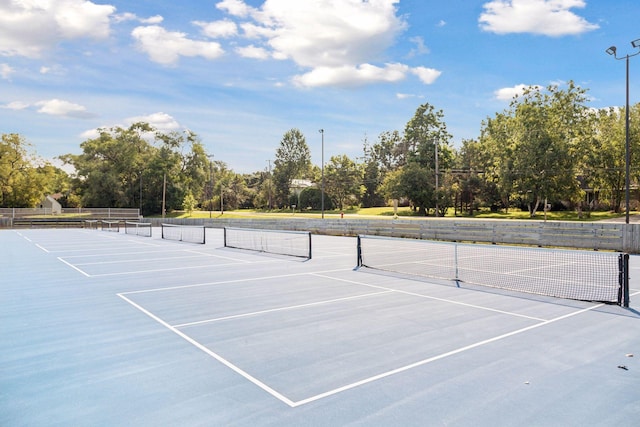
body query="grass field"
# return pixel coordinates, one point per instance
(387, 212)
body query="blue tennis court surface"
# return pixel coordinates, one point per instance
(102, 328)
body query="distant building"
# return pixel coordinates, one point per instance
(300, 184)
(51, 205)
(297, 185)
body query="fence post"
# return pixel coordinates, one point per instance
(630, 243)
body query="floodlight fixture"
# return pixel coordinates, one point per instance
(611, 51)
(635, 43)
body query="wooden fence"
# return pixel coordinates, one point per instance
(613, 236)
(69, 217)
(89, 213)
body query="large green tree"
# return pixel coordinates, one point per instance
(532, 148)
(343, 181)
(380, 158)
(602, 158)
(131, 167)
(22, 184)
(426, 148)
(293, 161)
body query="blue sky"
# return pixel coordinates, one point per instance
(241, 73)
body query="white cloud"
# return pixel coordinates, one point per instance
(546, 17)
(54, 69)
(156, 19)
(420, 48)
(426, 75)
(28, 28)
(507, 93)
(348, 75)
(330, 33)
(124, 17)
(128, 16)
(77, 19)
(166, 47)
(218, 29)
(338, 42)
(5, 71)
(234, 7)
(407, 96)
(253, 31)
(90, 134)
(16, 105)
(58, 107)
(253, 52)
(161, 121)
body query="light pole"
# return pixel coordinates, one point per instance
(613, 51)
(210, 190)
(140, 212)
(322, 174)
(435, 143)
(269, 184)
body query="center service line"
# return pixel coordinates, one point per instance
(212, 354)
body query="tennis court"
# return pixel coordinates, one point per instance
(110, 328)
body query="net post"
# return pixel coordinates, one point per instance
(623, 292)
(310, 245)
(455, 260)
(224, 239)
(359, 261)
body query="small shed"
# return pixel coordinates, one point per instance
(51, 205)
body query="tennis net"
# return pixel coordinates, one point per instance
(110, 226)
(578, 275)
(184, 233)
(138, 228)
(292, 243)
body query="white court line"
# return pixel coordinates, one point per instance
(479, 307)
(160, 270)
(73, 266)
(220, 256)
(141, 260)
(88, 248)
(41, 247)
(335, 255)
(439, 357)
(224, 282)
(100, 255)
(144, 242)
(356, 384)
(273, 310)
(235, 262)
(216, 356)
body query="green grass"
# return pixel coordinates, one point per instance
(551, 216)
(387, 212)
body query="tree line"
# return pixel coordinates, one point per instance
(548, 148)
